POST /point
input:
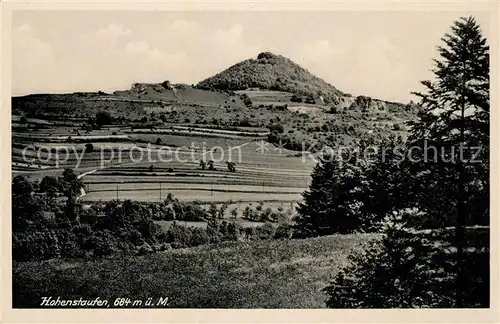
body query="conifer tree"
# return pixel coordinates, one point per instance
(452, 185)
(333, 201)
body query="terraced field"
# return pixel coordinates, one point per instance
(270, 176)
(136, 165)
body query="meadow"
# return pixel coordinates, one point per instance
(263, 274)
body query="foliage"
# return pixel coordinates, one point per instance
(89, 148)
(101, 230)
(246, 100)
(407, 268)
(27, 209)
(336, 198)
(70, 184)
(296, 98)
(276, 128)
(103, 118)
(449, 178)
(419, 263)
(49, 184)
(453, 185)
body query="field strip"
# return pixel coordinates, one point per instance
(229, 149)
(191, 195)
(195, 186)
(197, 189)
(223, 131)
(184, 177)
(241, 135)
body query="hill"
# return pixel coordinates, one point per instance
(270, 91)
(136, 102)
(172, 93)
(262, 274)
(271, 72)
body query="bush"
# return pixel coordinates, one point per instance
(178, 236)
(35, 246)
(49, 184)
(189, 211)
(276, 128)
(310, 100)
(89, 148)
(283, 231)
(230, 231)
(198, 236)
(103, 118)
(103, 243)
(334, 110)
(265, 232)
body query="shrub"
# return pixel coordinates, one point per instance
(295, 98)
(266, 215)
(259, 206)
(189, 211)
(276, 128)
(103, 118)
(310, 100)
(89, 148)
(178, 236)
(103, 243)
(265, 232)
(35, 246)
(283, 231)
(247, 213)
(229, 231)
(199, 236)
(49, 184)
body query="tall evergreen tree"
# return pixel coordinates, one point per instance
(452, 185)
(353, 192)
(334, 201)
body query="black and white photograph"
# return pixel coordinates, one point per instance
(250, 159)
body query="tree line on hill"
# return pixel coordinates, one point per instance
(433, 210)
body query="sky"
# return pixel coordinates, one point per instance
(380, 54)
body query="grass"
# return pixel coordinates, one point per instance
(264, 274)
